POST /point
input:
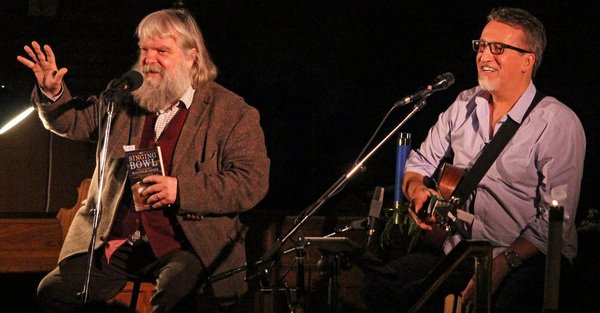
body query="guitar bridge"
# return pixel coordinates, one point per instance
(444, 212)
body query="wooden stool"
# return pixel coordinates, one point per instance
(136, 295)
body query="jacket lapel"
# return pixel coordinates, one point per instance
(191, 130)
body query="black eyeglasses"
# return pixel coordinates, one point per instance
(495, 47)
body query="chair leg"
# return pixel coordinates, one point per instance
(453, 304)
(134, 295)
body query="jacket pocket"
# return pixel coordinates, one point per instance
(208, 166)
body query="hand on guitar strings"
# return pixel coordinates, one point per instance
(419, 202)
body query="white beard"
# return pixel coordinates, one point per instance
(488, 85)
(156, 96)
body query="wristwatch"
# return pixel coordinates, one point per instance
(512, 258)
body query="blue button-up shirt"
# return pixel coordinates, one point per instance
(542, 162)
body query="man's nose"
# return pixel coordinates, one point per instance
(150, 57)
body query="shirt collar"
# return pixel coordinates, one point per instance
(519, 109)
(186, 99)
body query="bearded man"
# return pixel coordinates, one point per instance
(215, 161)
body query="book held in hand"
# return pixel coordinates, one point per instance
(142, 163)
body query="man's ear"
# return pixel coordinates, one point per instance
(191, 57)
(528, 63)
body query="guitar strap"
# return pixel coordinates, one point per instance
(490, 153)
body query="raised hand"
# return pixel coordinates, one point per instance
(43, 65)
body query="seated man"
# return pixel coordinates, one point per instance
(541, 163)
(215, 162)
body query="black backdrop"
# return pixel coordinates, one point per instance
(323, 73)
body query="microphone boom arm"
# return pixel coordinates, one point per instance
(312, 209)
(294, 232)
(442, 82)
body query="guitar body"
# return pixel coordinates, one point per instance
(449, 178)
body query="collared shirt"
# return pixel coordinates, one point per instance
(165, 116)
(542, 162)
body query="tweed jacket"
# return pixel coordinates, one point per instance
(220, 161)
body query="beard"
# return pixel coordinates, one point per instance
(155, 95)
(486, 84)
(484, 81)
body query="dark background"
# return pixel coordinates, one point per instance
(322, 73)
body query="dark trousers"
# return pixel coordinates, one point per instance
(177, 276)
(521, 291)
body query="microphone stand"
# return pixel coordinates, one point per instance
(294, 233)
(312, 209)
(97, 211)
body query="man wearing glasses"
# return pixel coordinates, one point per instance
(541, 163)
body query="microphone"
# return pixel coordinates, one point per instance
(358, 224)
(376, 204)
(441, 82)
(129, 82)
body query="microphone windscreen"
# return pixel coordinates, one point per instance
(446, 80)
(135, 80)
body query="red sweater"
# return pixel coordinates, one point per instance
(160, 226)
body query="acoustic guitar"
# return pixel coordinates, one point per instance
(441, 212)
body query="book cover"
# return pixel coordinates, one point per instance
(142, 163)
